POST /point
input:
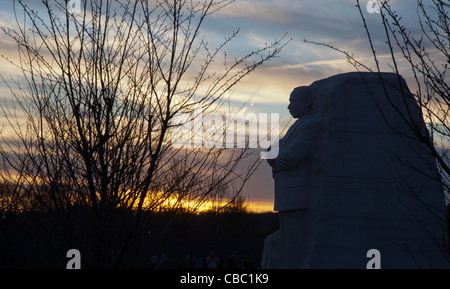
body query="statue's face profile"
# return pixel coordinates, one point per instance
(299, 102)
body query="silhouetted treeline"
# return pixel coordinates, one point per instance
(41, 240)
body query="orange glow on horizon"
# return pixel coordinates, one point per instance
(161, 202)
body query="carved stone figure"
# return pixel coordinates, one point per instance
(350, 179)
(298, 175)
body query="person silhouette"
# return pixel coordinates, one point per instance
(298, 174)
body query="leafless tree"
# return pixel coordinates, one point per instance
(93, 112)
(424, 57)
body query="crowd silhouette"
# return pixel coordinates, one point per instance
(195, 261)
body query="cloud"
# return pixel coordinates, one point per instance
(260, 11)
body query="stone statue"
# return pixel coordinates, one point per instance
(350, 179)
(298, 174)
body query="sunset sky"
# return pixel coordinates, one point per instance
(337, 23)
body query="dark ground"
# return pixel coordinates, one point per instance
(242, 236)
(38, 240)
